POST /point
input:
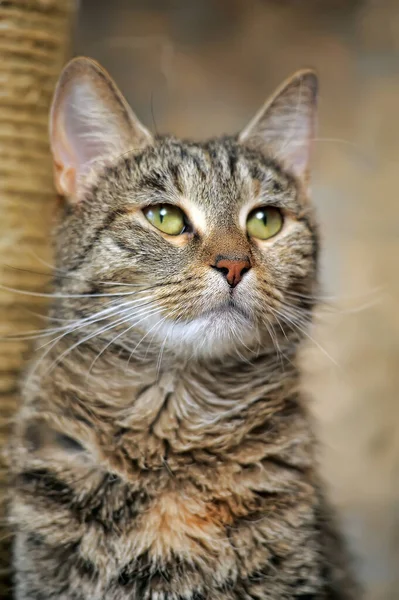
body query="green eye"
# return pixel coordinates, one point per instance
(264, 222)
(167, 218)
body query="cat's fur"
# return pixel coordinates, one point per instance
(163, 450)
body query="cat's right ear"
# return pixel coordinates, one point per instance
(90, 121)
(284, 128)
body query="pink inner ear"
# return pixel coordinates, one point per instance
(80, 133)
(284, 127)
(89, 127)
(65, 163)
(296, 154)
(87, 124)
(90, 121)
(65, 180)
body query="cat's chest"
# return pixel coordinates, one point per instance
(183, 505)
(178, 498)
(192, 526)
(160, 521)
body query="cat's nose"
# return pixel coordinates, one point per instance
(232, 268)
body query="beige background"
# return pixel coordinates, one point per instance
(34, 42)
(202, 67)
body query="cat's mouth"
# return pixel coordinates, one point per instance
(216, 329)
(233, 305)
(228, 308)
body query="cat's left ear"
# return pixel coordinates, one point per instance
(90, 122)
(285, 126)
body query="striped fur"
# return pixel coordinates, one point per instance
(164, 450)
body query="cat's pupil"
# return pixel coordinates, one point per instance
(162, 214)
(262, 216)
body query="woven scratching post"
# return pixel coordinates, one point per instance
(34, 41)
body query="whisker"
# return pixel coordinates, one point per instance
(104, 315)
(62, 274)
(68, 275)
(292, 324)
(149, 313)
(89, 337)
(160, 356)
(330, 298)
(91, 319)
(57, 295)
(40, 333)
(87, 321)
(274, 337)
(144, 336)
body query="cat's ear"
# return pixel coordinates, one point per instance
(285, 126)
(89, 121)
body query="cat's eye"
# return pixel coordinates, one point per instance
(264, 222)
(167, 218)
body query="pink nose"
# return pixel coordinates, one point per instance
(232, 268)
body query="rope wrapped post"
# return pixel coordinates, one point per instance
(34, 43)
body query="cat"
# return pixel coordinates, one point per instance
(163, 450)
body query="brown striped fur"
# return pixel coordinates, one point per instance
(164, 450)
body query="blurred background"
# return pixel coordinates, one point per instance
(199, 68)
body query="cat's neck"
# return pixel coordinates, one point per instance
(151, 395)
(228, 381)
(145, 411)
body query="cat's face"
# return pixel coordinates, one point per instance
(206, 247)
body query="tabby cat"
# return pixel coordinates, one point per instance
(163, 450)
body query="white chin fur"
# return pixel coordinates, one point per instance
(212, 335)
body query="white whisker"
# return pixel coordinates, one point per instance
(90, 320)
(150, 312)
(293, 324)
(102, 330)
(57, 295)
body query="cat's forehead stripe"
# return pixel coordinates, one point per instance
(220, 160)
(155, 181)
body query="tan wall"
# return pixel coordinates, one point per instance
(200, 68)
(34, 41)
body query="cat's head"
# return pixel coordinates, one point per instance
(200, 247)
